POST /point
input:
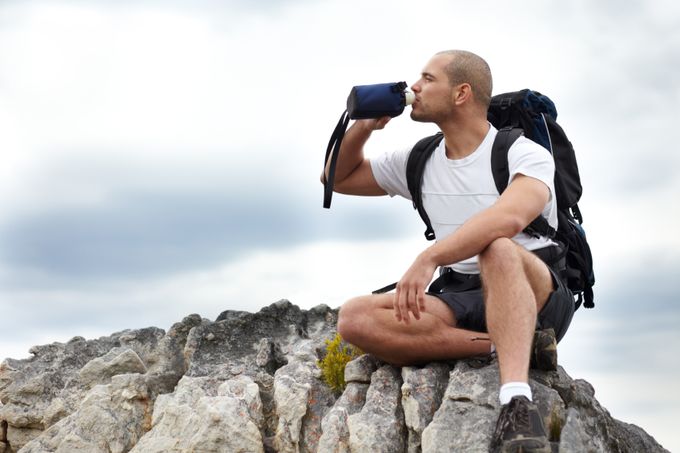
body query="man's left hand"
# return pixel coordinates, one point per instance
(410, 295)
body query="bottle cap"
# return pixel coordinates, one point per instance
(409, 97)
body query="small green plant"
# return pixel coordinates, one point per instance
(332, 366)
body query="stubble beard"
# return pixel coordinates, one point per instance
(415, 117)
(436, 112)
(423, 117)
(420, 116)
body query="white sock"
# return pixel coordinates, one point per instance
(493, 348)
(510, 389)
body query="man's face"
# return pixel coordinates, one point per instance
(434, 93)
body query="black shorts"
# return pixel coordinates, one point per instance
(464, 296)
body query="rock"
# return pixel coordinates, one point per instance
(39, 391)
(245, 343)
(111, 419)
(111, 364)
(468, 413)
(421, 396)
(195, 418)
(302, 401)
(335, 424)
(587, 426)
(361, 369)
(27, 387)
(250, 383)
(18, 437)
(171, 363)
(247, 391)
(379, 426)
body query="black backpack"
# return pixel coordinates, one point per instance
(533, 115)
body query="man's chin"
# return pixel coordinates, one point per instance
(419, 118)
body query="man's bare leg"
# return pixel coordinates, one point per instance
(369, 323)
(516, 286)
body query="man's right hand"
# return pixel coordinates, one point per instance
(373, 124)
(353, 173)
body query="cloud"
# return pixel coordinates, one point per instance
(307, 274)
(131, 221)
(635, 311)
(616, 94)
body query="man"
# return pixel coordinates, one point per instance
(478, 232)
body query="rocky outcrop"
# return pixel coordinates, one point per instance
(250, 383)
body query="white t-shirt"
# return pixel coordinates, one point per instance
(455, 190)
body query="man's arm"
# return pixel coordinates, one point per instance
(353, 174)
(522, 201)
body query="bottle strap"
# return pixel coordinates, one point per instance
(332, 152)
(386, 289)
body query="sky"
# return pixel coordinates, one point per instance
(162, 158)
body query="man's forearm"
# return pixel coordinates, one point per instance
(469, 240)
(522, 201)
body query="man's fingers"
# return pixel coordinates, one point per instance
(408, 299)
(382, 122)
(403, 307)
(401, 304)
(421, 300)
(395, 304)
(414, 303)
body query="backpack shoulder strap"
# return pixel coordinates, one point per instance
(501, 175)
(415, 167)
(499, 155)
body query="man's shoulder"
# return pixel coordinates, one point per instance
(389, 171)
(526, 146)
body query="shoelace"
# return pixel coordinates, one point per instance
(515, 418)
(519, 419)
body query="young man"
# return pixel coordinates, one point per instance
(479, 234)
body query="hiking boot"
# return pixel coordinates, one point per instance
(519, 429)
(544, 351)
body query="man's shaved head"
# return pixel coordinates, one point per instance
(467, 67)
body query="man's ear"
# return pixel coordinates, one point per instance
(462, 93)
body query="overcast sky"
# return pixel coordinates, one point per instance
(161, 158)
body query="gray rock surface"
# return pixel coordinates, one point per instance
(195, 418)
(249, 382)
(111, 419)
(421, 396)
(379, 426)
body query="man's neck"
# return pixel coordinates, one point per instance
(463, 137)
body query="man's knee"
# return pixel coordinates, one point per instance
(498, 253)
(349, 319)
(504, 257)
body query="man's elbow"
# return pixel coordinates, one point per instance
(338, 186)
(511, 226)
